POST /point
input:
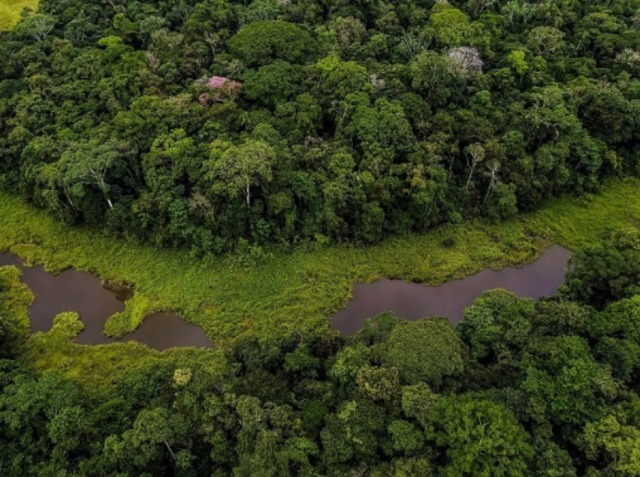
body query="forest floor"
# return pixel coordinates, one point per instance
(10, 11)
(280, 291)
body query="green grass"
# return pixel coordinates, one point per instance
(236, 295)
(10, 11)
(92, 366)
(103, 365)
(15, 298)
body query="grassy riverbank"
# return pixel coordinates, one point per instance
(93, 366)
(10, 11)
(15, 298)
(236, 295)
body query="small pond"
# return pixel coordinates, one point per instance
(95, 302)
(413, 301)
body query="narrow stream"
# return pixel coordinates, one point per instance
(95, 302)
(413, 301)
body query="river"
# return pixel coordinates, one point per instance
(95, 302)
(413, 301)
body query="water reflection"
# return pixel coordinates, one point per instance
(95, 302)
(413, 301)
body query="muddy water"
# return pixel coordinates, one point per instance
(166, 330)
(95, 302)
(413, 301)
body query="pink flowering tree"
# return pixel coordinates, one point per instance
(218, 88)
(217, 82)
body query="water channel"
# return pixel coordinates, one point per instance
(95, 302)
(413, 301)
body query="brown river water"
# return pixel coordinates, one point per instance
(95, 302)
(413, 301)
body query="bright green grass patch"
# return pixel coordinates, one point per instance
(10, 11)
(96, 366)
(136, 309)
(92, 366)
(15, 298)
(236, 295)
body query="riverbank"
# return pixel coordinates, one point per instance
(92, 366)
(233, 296)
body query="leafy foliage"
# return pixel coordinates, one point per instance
(426, 351)
(380, 118)
(606, 272)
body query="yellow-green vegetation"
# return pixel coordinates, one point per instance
(90, 365)
(274, 292)
(15, 298)
(10, 11)
(103, 364)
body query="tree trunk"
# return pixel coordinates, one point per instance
(470, 174)
(491, 185)
(170, 451)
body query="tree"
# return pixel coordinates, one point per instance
(36, 416)
(68, 431)
(427, 350)
(405, 467)
(503, 202)
(563, 383)
(38, 26)
(173, 158)
(152, 442)
(263, 42)
(551, 460)
(236, 169)
(479, 438)
(517, 61)
(89, 163)
(497, 322)
(340, 78)
(412, 45)
(418, 402)
(518, 10)
(616, 444)
(381, 132)
(620, 319)
(354, 432)
(378, 383)
(272, 84)
(606, 272)
(475, 154)
(493, 168)
(450, 26)
(467, 59)
(616, 335)
(545, 40)
(405, 436)
(435, 76)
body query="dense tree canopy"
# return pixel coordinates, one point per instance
(606, 272)
(209, 123)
